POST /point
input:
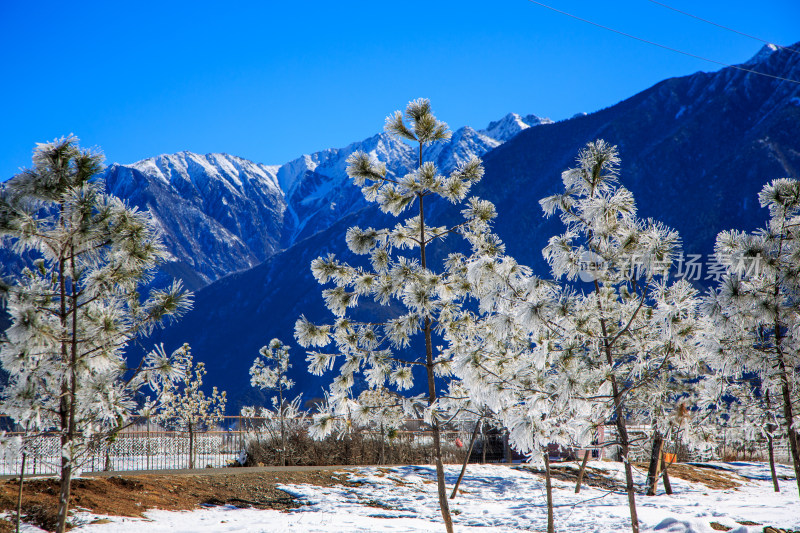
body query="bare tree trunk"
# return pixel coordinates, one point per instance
(191, 446)
(622, 435)
(19, 495)
(581, 471)
(68, 438)
(63, 408)
(64, 494)
(466, 459)
(483, 443)
(772, 463)
(382, 459)
(622, 430)
(770, 450)
(655, 463)
(667, 484)
(551, 528)
(283, 436)
(440, 481)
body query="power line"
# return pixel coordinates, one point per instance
(663, 46)
(724, 27)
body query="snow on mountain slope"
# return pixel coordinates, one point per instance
(511, 124)
(219, 213)
(318, 191)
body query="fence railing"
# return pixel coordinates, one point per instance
(147, 445)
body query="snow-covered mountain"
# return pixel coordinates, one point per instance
(511, 124)
(219, 213)
(222, 214)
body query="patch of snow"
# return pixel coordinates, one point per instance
(493, 498)
(762, 55)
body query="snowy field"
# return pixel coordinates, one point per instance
(495, 498)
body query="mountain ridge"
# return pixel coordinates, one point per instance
(221, 213)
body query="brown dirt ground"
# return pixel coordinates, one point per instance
(713, 479)
(132, 495)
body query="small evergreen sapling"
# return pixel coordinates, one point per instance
(185, 406)
(269, 372)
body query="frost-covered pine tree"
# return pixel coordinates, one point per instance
(77, 306)
(630, 324)
(184, 405)
(270, 372)
(397, 274)
(509, 359)
(755, 307)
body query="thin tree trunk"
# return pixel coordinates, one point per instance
(69, 439)
(622, 430)
(429, 367)
(63, 498)
(483, 443)
(770, 428)
(191, 446)
(785, 387)
(655, 463)
(582, 471)
(551, 528)
(772, 463)
(622, 434)
(63, 407)
(283, 436)
(466, 459)
(19, 495)
(382, 459)
(665, 475)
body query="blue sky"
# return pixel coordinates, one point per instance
(271, 80)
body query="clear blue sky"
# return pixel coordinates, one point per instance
(270, 80)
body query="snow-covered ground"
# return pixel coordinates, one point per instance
(494, 498)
